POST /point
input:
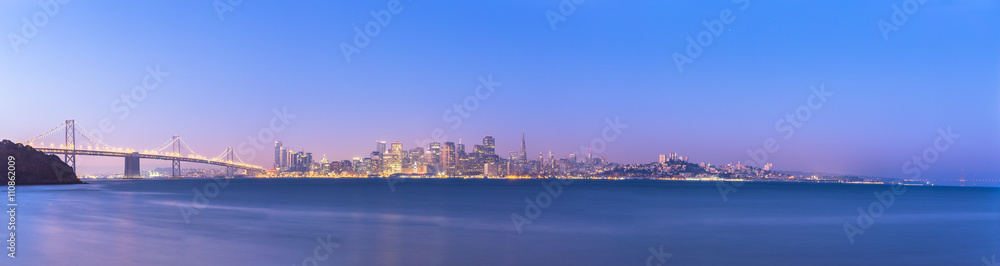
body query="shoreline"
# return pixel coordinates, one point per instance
(404, 179)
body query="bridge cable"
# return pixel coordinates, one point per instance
(46, 134)
(219, 157)
(166, 145)
(184, 144)
(237, 155)
(92, 139)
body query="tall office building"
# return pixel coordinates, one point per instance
(435, 154)
(380, 146)
(306, 161)
(277, 155)
(417, 162)
(489, 145)
(448, 157)
(460, 150)
(396, 148)
(524, 152)
(284, 158)
(375, 165)
(395, 159)
(673, 156)
(293, 160)
(663, 158)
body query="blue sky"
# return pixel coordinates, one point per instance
(607, 59)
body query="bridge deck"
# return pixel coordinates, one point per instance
(149, 156)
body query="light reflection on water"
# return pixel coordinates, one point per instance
(467, 222)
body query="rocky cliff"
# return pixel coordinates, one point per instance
(32, 167)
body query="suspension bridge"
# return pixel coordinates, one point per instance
(174, 150)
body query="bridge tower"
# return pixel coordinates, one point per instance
(176, 164)
(70, 158)
(132, 166)
(230, 171)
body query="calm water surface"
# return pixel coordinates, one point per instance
(468, 222)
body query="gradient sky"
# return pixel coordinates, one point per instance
(607, 59)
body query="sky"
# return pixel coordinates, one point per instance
(560, 71)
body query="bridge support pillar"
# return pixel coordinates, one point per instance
(176, 164)
(132, 166)
(230, 171)
(176, 169)
(70, 158)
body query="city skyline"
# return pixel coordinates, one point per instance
(546, 132)
(891, 92)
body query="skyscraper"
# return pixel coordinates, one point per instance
(396, 147)
(277, 155)
(380, 146)
(663, 158)
(375, 164)
(395, 158)
(417, 162)
(435, 157)
(524, 152)
(489, 144)
(448, 157)
(459, 150)
(284, 159)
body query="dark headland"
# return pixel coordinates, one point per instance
(32, 167)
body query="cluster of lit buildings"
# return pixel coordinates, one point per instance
(288, 160)
(448, 159)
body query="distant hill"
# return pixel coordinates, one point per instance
(33, 167)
